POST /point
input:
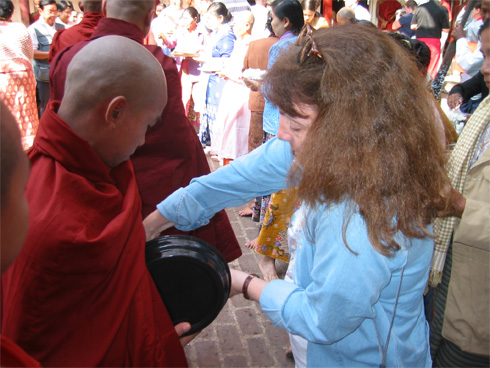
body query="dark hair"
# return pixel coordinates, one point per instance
(6, 9)
(63, 4)
(484, 26)
(219, 9)
(411, 4)
(417, 49)
(477, 4)
(43, 3)
(309, 5)
(292, 10)
(372, 140)
(268, 24)
(192, 12)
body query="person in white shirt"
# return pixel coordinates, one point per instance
(42, 32)
(361, 12)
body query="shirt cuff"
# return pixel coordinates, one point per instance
(273, 298)
(183, 210)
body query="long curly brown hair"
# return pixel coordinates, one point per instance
(373, 142)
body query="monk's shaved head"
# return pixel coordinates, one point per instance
(345, 15)
(11, 150)
(112, 66)
(113, 85)
(139, 12)
(92, 6)
(14, 173)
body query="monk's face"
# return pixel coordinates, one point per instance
(49, 13)
(14, 214)
(130, 131)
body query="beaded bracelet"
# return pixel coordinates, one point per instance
(246, 283)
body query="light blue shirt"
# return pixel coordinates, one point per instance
(271, 112)
(337, 296)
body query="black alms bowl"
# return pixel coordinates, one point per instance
(192, 277)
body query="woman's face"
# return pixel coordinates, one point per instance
(309, 15)
(278, 25)
(187, 21)
(295, 129)
(213, 22)
(65, 15)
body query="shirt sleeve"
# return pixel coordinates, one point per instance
(471, 62)
(32, 33)
(261, 172)
(335, 301)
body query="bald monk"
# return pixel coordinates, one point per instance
(92, 14)
(14, 217)
(172, 155)
(346, 16)
(79, 294)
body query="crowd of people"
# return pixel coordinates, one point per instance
(327, 129)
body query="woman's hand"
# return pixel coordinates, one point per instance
(254, 85)
(154, 224)
(254, 288)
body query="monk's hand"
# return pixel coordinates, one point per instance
(154, 224)
(182, 328)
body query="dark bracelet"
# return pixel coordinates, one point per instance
(246, 283)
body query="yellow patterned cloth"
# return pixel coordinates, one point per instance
(458, 166)
(272, 240)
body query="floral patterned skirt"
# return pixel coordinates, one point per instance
(273, 240)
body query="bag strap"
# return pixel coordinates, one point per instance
(385, 350)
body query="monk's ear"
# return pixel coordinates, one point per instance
(114, 110)
(104, 6)
(80, 5)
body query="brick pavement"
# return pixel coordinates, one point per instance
(241, 336)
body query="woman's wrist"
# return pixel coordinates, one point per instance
(246, 284)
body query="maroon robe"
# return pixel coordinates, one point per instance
(172, 154)
(79, 294)
(79, 32)
(12, 355)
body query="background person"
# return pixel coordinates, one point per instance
(17, 82)
(42, 33)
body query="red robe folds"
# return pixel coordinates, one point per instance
(11, 355)
(172, 154)
(79, 32)
(79, 294)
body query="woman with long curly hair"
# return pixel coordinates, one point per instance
(370, 174)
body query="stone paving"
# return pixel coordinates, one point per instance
(241, 336)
